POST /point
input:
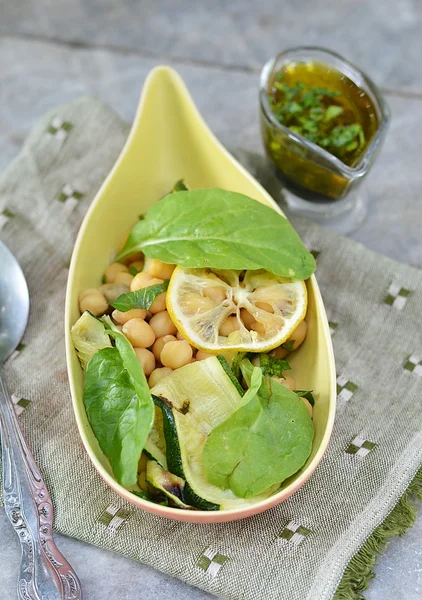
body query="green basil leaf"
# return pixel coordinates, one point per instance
(119, 406)
(265, 442)
(221, 230)
(142, 298)
(272, 366)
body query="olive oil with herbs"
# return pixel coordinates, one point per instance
(322, 105)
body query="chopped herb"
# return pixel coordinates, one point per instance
(314, 113)
(180, 186)
(133, 270)
(288, 346)
(142, 298)
(272, 366)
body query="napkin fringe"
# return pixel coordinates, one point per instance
(360, 570)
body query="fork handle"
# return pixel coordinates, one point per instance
(44, 572)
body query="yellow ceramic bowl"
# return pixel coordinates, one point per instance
(169, 140)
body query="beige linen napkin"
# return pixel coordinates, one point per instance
(298, 550)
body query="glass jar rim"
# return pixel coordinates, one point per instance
(353, 73)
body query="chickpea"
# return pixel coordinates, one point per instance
(176, 354)
(160, 343)
(124, 317)
(156, 268)
(279, 352)
(299, 334)
(287, 381)
(88, 292)
(158, 374)
(247, 319)
(111, 272)
(162, 324)
(113, 290)
(125, 278)
(139, 333)
(180, 336)
(296, 337)
(308, 405)
(202, 355)
(216, 292)
(264, 306)
(95, 303)
(133, 257)
(229, 325)
(146, 359)
(159, 303)
(142, 280)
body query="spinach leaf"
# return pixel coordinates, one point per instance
(272, 366)
(266, 441)
(119, 406)
(221, 230)
(142, 298)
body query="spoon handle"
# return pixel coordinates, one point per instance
(44, 572)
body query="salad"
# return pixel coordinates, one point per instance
(185, 346)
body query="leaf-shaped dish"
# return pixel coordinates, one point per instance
(169, 140)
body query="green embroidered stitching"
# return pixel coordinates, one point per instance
(294, 532)
(345, 388)
(360, 447)
(333, 327)
(397, 296)
(113, 517)
(413, 364)
(5, 217)
(69, 193)
(59, 128)
(211, 562)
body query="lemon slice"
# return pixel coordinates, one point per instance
(252, 311)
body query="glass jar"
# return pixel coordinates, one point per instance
(316, 183)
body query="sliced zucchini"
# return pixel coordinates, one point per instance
(155, 446)
(194, 400)
(171, 485)
(88, 336)
(223, 362)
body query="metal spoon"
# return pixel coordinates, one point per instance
(44, 572)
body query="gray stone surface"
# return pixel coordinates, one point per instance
(383, 38)
(105, 48)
